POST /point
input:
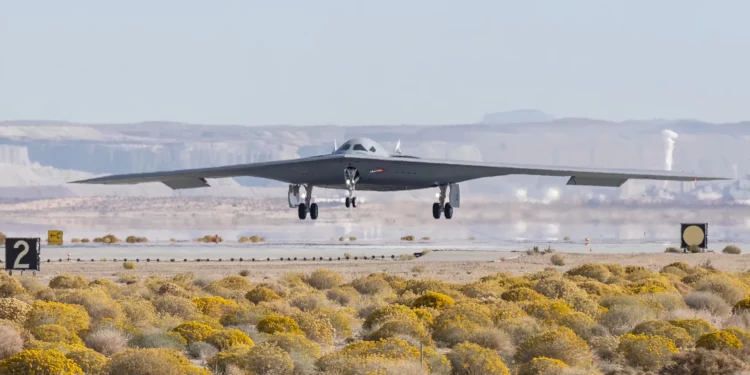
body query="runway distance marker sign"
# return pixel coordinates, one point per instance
(22, 254)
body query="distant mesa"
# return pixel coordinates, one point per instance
(516, 117)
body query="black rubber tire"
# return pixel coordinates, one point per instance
(354, 201)
(436, 210)
(314, 211)
(348, 202)
(302, 211)
(448, 211)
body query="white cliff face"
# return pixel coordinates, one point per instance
(16, 155)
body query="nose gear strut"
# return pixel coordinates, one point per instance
(351, 177)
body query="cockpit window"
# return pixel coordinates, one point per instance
(372, 149)
(344, 147)
(359, 147)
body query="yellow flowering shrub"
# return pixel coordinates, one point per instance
(694, 327)
(434, 300)
(274, 323)
(547, 309)
(651, 285)
(386, 313)
(646, 351)
(468, 359)
(678, 335)
(402, 328)
(457, 323)
(10, 286)
(324, 279)
(139, 313)
(425, 317)
(39, 362)
(316, 327)
(73, 317)
(153, 361)
(295, 344)
(55, 333)
(742, 334)
(561, 343)
(262, 294)
(66, 281)
(193, 331)
(90, 361)
(215, 307)
(522, 294)
(482, 290)
(226, 338)
(543, 366)
(719, 340)
(359, 356)
(14, 310)
(598, 272)
(741, 306)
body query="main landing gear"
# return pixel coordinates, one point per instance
(351, 176)
(303, 208)
(441, 207)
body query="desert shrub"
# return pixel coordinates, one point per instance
(138, 312)
(522, 294)
(171, 289)
(411, 330)
(741, 306)
(232, 357)
(215, 307)
(719, 340)
(363, 356)
(179, 307)
(709, 302)
(245, 273)
(10, 286)
(85, 240)
(598, 272)
(315, 327)
(55, 333)
(678, 335)
(482, 290)
(194, 331)
(324, 279)
(731, 249)
(98, 304)
(107, 341)
(731, 290)
(548, 309)
(703, 362)
(153, 361)
(371, 285)
(407, 238)
(128, 279)
(295, 344)
(309, 302)
(457, 323)
(11, 341)
(73, 317)
(39, 362)
(622, 317)
(226, 338)
(2, 238)
(344, 295)
(158, 339)
(386, 313)
(265, 358)
(201, 351)
(561, 343)
(14, 310)
(605, 347)
(580, 323)
(274, 323)
(645, 351)
(672, 250)
(493, 338)
(434, 300)
(262, 294)
(543, 366)
(695, 327)
(469, 359)
(669, 301)
(557, 260)
(128, 265)
(673, 271)
(237, 283)
(91, 362)
(66, 281)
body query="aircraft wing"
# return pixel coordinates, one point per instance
(291, 171)
(453, 171)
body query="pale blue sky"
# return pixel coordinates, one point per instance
(377, 62)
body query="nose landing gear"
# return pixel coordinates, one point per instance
(351, 177)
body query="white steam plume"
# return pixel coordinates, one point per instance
(669, 138)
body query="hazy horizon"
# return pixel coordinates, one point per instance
(342, 63)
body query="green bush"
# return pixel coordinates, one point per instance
(39, 362)
(468, 359)
(194, 331)
(226, 338)
(645, 351)
(731, 249)
(262, 294)
(215, 307)
(561, 343)
(128, 265)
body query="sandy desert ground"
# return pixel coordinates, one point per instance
(435, 265)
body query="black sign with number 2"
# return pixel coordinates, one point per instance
(22, 254)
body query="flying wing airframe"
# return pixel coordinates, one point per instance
(362, 164)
